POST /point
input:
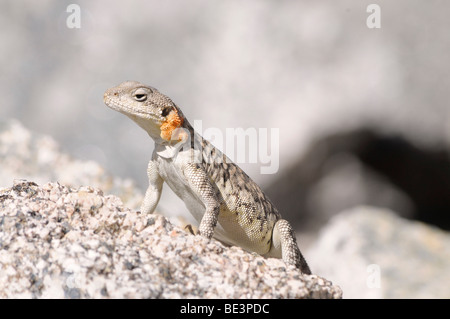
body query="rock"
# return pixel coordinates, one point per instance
(37, 157)
(61, 242)
(373, 253)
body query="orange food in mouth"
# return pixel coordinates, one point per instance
(173, 122)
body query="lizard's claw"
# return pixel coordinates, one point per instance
(189, 229)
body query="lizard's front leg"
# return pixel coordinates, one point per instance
(153, 193)
(201, 185)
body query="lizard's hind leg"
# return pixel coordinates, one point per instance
(284, 245)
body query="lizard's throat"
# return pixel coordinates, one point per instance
(169, 127)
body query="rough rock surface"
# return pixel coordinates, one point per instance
(61, 242)
(372, 253)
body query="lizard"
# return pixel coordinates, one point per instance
(223, 199)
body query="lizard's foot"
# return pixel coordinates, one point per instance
(207, 234)
(283, 237)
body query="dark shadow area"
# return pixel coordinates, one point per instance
(388, 167)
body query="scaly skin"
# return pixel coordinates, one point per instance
(226, 202)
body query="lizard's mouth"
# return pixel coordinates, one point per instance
(124, 108)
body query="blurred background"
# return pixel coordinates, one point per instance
(363, 113)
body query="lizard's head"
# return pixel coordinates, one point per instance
(150, 109)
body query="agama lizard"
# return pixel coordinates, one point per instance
(226, 202)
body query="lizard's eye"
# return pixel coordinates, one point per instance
(140, 95)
